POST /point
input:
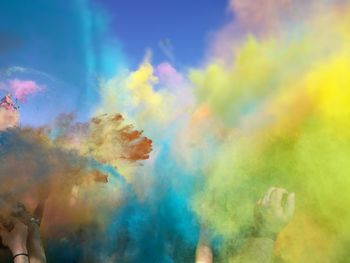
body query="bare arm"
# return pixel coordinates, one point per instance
(15, 240)
(35, 246)
(34, 242)
(204, 253)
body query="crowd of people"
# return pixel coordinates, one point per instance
(20, 232)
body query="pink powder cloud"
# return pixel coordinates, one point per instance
(176, 83)
(168, 75)
(22, 88)
(262, 19)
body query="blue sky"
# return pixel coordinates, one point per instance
(69, 45)
(141, 24)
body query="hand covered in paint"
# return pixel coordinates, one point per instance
(273, 212)
(15, 239)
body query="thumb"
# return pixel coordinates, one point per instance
(3, 235)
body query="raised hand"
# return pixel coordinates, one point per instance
(273, 212)
(16, 238)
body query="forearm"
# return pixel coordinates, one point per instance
(35, 247)
(256, 250)
(37, 254)
(204, 254)
(21, 259)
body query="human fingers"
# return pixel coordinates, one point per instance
(290, 205)
(19, 225)
(266, 198)
(4, 234)
(277, 197)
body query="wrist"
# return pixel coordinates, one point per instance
(261, 232)
(18, 249)
(34, 244)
